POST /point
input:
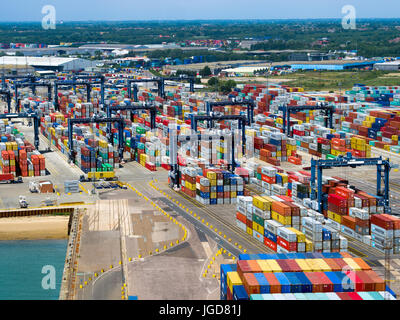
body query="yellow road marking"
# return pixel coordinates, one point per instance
(83, 188)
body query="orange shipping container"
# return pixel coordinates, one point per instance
(281, 208)
(255, 267)
(250, 283)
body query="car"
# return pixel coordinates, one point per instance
(98, 186)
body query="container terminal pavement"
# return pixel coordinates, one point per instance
(256, 231)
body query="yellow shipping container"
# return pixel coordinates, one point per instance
(265, 267)
(367, 124)
(211, 175)
(274, 265)
(101, 174)
(233, 279)
(323, 265)
(233, 194)
(249, 231)
(313, 265)
(190, 186)
(336, 217)
(352, 264)
(303, 265)
(285, 220)
(258, 228)
(301, 237)
(309, 246)
(213, 183)
(213, 195)
(274, 215)
(250, 132)
(370, 118)
(261, 203)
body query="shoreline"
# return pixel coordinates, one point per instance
(34, 228)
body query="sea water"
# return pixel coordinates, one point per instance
(28, 269)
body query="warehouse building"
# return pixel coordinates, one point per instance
(243, 71)
(388, 66)
(46, 63)
(334, 65)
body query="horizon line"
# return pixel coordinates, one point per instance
(193, 20)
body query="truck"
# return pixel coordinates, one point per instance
(99, 175)
(9, 178)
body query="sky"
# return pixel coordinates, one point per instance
(78, 10)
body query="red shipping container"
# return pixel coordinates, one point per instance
(378, 281)
(229, 295)
(274, 284)
(344, 295)
(270, 180)
(382, 221)
(368, 283)
(284, 266)
(327, 283)
(289, 246)
(270, 244)
(317, 283)
(294, 267)
(354, 296)
(344, 192)
(241, 217)
(337, 200)
(243, 267)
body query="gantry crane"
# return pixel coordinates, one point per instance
(382, 169)
(249, 103)
(175, 173)
(76, 81)
(5, 92)
(33, 86)
(242, 126)
(36, 122)
(151, 108)
(160, 81)
(95, 119)
(288, 110)
(132, 108)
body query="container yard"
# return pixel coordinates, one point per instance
(301, 277)
(261, 196)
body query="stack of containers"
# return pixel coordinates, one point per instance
(385, 233)
(284, 226)
(18, 155)
(217, 186)
(270, 145)
(301, 276)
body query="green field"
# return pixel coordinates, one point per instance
(339, 80)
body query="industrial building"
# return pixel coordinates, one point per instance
(334, 65)
(46, 63)
(388, 66)
(243, 71)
